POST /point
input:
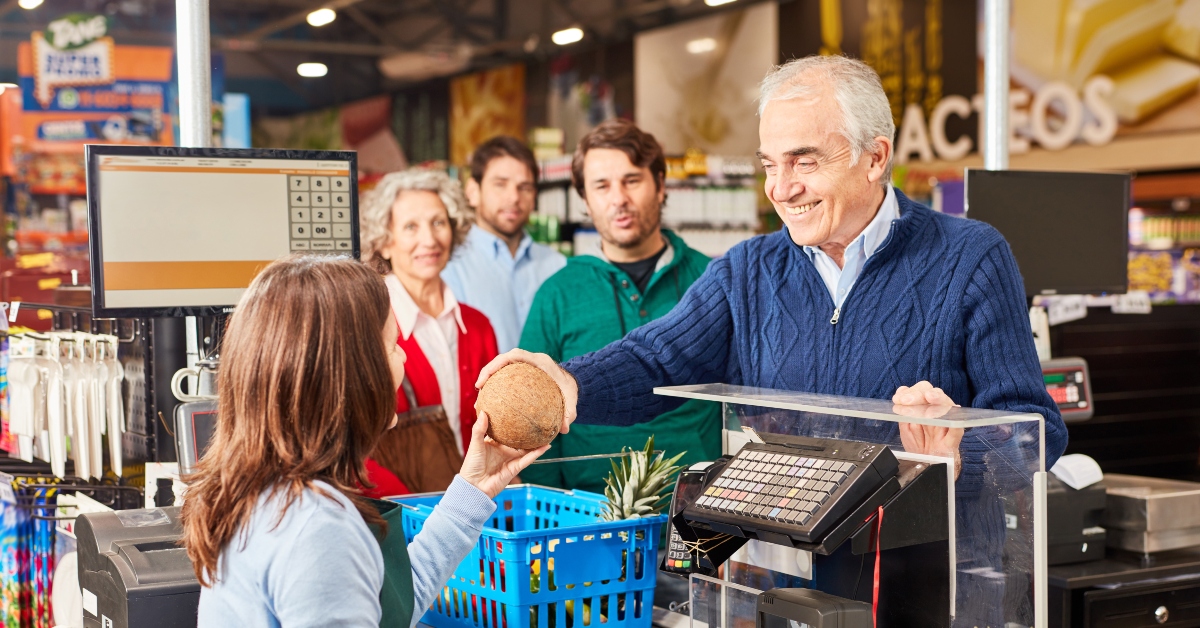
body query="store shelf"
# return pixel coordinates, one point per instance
(55, 190)
(39, 238)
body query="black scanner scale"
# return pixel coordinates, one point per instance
(796, 490)
(133, 572)
(823, 496)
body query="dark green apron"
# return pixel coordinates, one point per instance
(396, 596)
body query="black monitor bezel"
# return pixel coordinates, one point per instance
(1035, 291)
(92, 152)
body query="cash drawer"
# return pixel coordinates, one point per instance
(1174, 603)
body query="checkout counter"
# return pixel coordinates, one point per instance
(911, 544)
(824, 519)
(870, 529)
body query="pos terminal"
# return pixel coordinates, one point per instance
(829, 497)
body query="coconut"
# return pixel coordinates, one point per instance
(524, 406)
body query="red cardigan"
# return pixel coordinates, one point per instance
(476, 348)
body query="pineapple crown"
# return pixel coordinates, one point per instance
(637, 486)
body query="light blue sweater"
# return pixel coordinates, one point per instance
(320, 565)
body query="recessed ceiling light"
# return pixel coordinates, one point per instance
(312, 70)
(321, 17)
(717, 3)
(29, 5)
(567, 36)
(701, 46)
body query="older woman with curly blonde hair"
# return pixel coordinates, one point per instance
(411, 224)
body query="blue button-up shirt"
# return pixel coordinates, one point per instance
(839, 281)
(487, 277)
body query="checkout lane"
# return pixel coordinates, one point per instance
(979, 576)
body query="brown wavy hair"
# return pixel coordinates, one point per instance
(305, 393)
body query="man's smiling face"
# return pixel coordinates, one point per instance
(821, 197)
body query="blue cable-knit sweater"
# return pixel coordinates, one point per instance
(941, 300)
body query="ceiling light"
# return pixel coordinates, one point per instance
(701, 46)
(321, 17)
(29, 5)
(312, 70)
(567, 36)
(717, 3)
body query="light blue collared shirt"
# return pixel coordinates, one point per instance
(839, 281)
(487, 277)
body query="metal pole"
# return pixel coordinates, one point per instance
(194, 54)
(195, 73)
(995, 84)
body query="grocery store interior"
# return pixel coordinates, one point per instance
(854, 313)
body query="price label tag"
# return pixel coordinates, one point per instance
(1134, 302)
(7, 495)
(35, 260)
(1067, 308)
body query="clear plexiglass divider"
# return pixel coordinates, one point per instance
(998, 542)
(717, 603)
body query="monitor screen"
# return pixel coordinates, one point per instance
(1068, 230)
(183, 231)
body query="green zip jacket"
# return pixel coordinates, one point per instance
(587, 305)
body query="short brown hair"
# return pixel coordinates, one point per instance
(502, 146)
(305, 394)
(639, 146)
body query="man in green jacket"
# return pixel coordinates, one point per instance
(637, 274)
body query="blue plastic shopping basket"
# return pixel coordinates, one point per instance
(546, 560)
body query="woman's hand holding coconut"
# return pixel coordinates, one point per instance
(490, 466)
(565, 382)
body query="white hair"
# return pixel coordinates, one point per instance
(866, 112)
(375, 211)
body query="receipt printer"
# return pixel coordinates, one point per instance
(1073, 522)
(133, 571)
(789, 608)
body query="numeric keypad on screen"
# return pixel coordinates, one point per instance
(320, 213)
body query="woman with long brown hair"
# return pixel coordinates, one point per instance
(275, 523)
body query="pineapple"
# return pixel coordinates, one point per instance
(638, 486)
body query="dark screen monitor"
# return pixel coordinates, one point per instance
(183, 231)
(1068, 230)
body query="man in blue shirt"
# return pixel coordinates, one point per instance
(500, 268)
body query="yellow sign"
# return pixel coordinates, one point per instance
(35, 260)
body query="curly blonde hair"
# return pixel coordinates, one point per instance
(375, 217)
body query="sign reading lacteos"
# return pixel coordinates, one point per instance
(1054, 117)
(1084, 72)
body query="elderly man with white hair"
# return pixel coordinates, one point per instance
(864, 293)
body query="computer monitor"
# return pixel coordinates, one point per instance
(1068, 230)
(183, 231)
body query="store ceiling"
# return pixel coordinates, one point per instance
(373, 46)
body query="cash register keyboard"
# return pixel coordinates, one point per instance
(800, 489)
